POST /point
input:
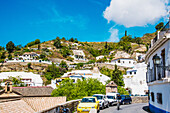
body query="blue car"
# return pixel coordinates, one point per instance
(126, 99)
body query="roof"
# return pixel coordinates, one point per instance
(131, 70)
(111, 84)
(122, 58)
(89, 97)
(78, 52)
(99, 94)
(18, 106)
(34, 91)
(30, 53)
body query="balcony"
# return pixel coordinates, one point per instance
(158, 74)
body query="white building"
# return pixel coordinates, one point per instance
(29, 55)
(140, 57)
(99, 57)
(158, 71)
(80, 74)
(124, 62)
(135, 79)
(29, 79)
(79, 55)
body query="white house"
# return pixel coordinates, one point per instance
(158, 71)
(79, 55)
(135, 79)
(140, 57)
(124, 62)
(29, 55)
(99, 57)
(29, 79)
(80, 74)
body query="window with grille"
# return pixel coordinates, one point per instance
(152, 96)
(159, 98)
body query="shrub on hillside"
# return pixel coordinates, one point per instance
(70, 58)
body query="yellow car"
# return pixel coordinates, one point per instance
(88, 104)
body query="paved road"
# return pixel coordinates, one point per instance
(130, 108)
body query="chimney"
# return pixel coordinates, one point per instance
(8, 86)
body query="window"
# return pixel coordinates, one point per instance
(129, 62)
(134, 72)
(159, 98)
(123, 61)
(130, 73)
(118, 61)
(152, 97)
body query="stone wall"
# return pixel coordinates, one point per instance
(72, 105)
(22, 66)
(136, 99)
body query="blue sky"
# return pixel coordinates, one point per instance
(23, 21)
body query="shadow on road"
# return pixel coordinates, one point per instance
(146, 108)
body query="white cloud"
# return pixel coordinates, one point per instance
(114, 35)
(132, 13)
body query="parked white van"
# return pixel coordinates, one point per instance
(112, 98)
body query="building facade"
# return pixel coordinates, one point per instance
(29, 56)
(124, 62)
(158, 71)
(135, 79)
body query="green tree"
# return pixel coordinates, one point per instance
(29, 66)
(52, 72)
(57, 43)
(10, 46)
(10, 56)
(106, 45)
(159, 26)
(39, 46)
(76, 41)
(16, 81)
(65, 51)
(37, 41)
(2, 48)
(63, 64)
(63, 39)
(18, 47)
(117, 76)
(81, 88)
(2, 56)
(122, 91)
(80, 65)
(42, 56)
(138, 40)
(71, 39)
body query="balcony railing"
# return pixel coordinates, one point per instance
(152, 75)
(161, 34)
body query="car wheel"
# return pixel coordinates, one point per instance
(130, 102)
(102, 106)
(98, 110)
(123, 102)
(108, 105)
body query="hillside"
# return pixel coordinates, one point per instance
(146, 38)
(48, 51)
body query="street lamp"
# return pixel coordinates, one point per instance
(157, 62)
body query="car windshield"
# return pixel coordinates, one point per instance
(88, 100)
(98, 97)
(110, 97)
